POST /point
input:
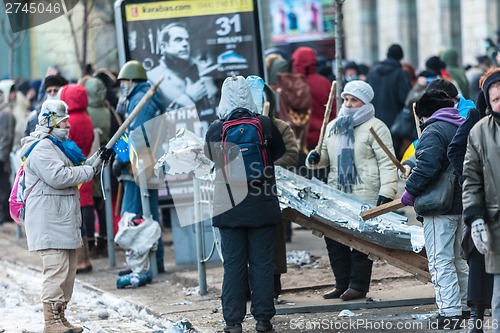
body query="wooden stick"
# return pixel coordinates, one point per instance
(382, 209)
(387, 151)
(124, 126)
(265, 109)
(326, 119)
(417, 121)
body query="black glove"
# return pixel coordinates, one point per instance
(382, 200)
(105, 153)
(313, 157)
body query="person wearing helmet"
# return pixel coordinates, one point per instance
(134, 85)
(54, 168)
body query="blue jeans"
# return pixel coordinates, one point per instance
(132, 203)
(448, 270)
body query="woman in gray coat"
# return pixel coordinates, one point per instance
(53, 169)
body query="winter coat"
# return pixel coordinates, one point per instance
(291, 156)
(377, 173)
(98, 112)
(305, 62)
(482, 183)
(391, 86)
(450, 58)
(53, 216)
(260, 207)
(81, 131)
(153, 108)
(431, 155)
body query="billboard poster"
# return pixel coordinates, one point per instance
(300, 20)
(194, 45)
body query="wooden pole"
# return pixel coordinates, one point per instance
(387, 151)
(265, 109)
(382, 209)
(326, 119)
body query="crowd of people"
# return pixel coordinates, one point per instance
(447, 114)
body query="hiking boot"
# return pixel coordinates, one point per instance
(264, 326)
(233, 328)
(76, 329)
(52, 317)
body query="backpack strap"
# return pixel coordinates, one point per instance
(25, 156)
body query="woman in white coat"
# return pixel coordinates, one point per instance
(53, 169)
(358, 166)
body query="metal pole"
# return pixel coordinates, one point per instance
(146, 212)
(108, 207)
(200, 244)
(338, 49)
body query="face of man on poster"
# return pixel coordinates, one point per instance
(176, 43)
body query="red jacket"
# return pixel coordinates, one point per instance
(304, 62)
(81, 130)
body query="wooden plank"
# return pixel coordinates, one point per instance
(409, 261)
(382, 209)
(285, 310)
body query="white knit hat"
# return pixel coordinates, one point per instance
(359, 89)
(52, 113)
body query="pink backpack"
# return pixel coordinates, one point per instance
(18, 194)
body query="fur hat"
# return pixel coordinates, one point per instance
(54, 80)
(431, 101)
(359, 89)
(395, 52)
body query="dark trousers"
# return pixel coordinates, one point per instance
(5, 188)
(480, 286)
(352, 269)
(248, 255)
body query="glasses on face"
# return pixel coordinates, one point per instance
(52, 91)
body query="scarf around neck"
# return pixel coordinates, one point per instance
(347, 174)
(70, 149)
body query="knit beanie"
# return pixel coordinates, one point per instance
(494, 77)
(395, 52)
(359, 89)
(431, 101)
(52, 113)
(435, 64)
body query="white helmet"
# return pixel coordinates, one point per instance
(52, 113)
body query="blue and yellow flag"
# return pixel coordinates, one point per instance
(121, 148)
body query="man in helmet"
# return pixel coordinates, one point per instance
(134, 85)
(182, 85)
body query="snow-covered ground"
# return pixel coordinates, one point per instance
(96, 311)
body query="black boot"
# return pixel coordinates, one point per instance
(476, 319)
(277, 285)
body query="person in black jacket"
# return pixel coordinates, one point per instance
(442, 232)
(246, 214)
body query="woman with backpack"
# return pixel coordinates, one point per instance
(358, 166)
(246, 208)
(53, 170)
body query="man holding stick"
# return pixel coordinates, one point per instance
(358, 166)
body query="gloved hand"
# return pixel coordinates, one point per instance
(404, 176)
(407, 198)
(105, 153)
(479, 234)
(313, 157)
(382, 200)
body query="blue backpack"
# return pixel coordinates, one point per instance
(244, 144)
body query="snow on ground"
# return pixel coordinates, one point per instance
(97, 312)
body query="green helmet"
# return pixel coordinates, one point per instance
(132, 70)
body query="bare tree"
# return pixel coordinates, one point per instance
(13, 40)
